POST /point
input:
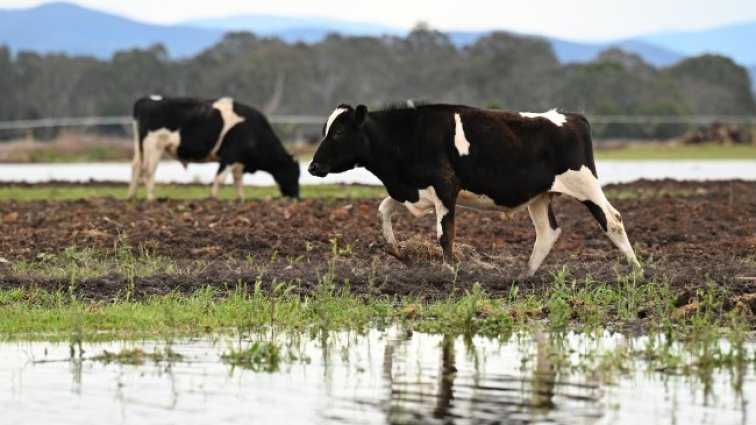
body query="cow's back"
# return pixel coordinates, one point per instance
(507, 156)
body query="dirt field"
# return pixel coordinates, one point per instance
(703, 232)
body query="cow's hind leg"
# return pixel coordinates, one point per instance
(386, 210)
(547, 230)
(136, 174)
(220, 178)
(584, 186)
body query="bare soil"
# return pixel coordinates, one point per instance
(703, 234)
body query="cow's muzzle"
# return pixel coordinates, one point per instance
(317, 169)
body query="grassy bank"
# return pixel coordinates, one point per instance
(566, 304)
(664, 151)
(58, 192)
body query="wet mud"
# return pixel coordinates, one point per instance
(690, 234)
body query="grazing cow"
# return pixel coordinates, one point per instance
(434, 157)
(233, 134)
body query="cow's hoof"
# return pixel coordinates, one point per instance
(449, 267)
(396, 253)
(638, 271)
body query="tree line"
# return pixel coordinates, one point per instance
(500, 70)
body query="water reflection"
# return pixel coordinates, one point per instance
(391, 376)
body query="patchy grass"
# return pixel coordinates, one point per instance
(265, 354)
(566, 304)
(75, 263)
(57, 192)
(665, 151)
(137, 356)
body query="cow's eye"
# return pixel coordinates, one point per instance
(337, 134)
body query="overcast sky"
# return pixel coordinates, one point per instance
(570, 19)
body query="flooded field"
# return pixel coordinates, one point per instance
(392, 376)
(610, 171)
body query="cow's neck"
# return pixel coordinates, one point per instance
(383, 161)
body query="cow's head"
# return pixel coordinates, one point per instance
(344, 143)
(287, 177)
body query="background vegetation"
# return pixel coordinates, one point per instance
(499, 70)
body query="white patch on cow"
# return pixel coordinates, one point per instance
(460, 141)
(428, 202)
(580, 184)
(156, 97)
(225, 106)
(154, 144)
(336, 112)
(552, 115)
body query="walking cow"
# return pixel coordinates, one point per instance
(434, 157)
(233, 134)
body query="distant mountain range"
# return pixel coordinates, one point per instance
(67, 28)
(71, 29)
(312, 30)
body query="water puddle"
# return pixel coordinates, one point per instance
(389, 376)
(610, 171)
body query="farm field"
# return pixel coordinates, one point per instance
(688, 235)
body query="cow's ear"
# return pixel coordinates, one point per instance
(360, 114)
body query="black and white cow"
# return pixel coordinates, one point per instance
(434, 157)
(192, 130)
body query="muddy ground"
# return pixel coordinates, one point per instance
(698, 234)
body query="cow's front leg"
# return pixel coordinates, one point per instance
(386, 210)
(445, 227)
(239, 180)
(220, 178)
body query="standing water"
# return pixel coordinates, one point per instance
(174, 172)
(382, 376)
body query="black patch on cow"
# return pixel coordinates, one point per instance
(597, 212)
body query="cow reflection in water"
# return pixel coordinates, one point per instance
(412, 400)
(544, 375)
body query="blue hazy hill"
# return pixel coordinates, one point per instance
(67, 28)
(574, 51)
(307, 29)
(736, 41)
